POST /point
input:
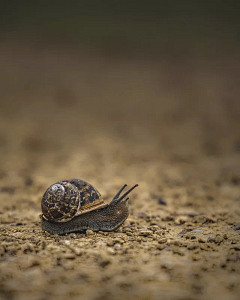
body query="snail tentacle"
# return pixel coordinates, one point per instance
(119, 192)
(116, 200)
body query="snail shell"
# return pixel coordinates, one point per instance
(70, 198)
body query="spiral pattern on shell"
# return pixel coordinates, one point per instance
(69, 198)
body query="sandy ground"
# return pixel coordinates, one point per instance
(172, 126)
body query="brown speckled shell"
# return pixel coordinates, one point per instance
(69, 198)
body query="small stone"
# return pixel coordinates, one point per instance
(162, 241)
(153, 228)
(145, 232)
(118, 240)
(117, 246)
(236, 247)
(204, 247)
(69, 255)
(125, 238)
(161, 246)
(73, 235)
(202, 240)
(111, 251)
(181, 220)
(156, 237)
(89, 232)
(211, 239)
(179, 243)
(77, 251)
(192, 247)
(129, 233)
(127, 230)
(110, 242)
(218, 239)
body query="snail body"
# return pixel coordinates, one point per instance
(75, 205)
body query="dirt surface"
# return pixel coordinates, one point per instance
(171, 125)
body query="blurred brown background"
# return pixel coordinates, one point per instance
(157, 68)
(115, 92)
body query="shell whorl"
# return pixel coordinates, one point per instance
(69, 198)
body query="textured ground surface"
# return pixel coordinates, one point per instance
(171, 126)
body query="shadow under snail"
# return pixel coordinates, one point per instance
(75, 205)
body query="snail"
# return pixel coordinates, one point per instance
(75, 205)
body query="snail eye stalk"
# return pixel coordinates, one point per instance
(116, 199)
(119, 192)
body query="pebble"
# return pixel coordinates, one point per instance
(181, 220)
(156, 237)
(111, 251)
(179, 243)
(145, 232)
(110, 242)
(192, 246)
(77, 251)
(69, 255)
(73, 235)
(117, 246)
(127, 230)
(202, 240)
(204, 247)
(218, 239)
(118, 240)
(153, 228)
(236, 247)
(211, 239)
(162, 241)
(196, 257)
(161, 246)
